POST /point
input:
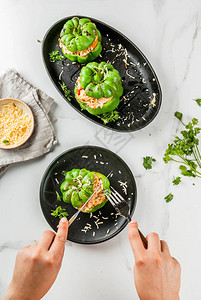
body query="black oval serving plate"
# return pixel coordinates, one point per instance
(95, 159)
(142, 95)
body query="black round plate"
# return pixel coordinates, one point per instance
(95, 159)
(142, 94)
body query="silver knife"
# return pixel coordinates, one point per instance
(72, 219)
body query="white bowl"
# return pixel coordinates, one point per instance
(26, 110)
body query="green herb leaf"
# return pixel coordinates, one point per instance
(59, 212)
(187, 172)
(6, 141)
(169, 197)
(166, 158)
(176, 181)
(58, 196)
(147, 162)
(178, 115)
(66, 90)
(54, 56)
(198, 101)
(39, 41)
(109, 117)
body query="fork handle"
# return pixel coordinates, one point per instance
(143, 239)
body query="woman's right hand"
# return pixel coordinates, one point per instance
(156, 273)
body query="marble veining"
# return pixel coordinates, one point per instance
(196, 20)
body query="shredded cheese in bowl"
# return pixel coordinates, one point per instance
(16, 125)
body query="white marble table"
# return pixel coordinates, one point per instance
(168, 32)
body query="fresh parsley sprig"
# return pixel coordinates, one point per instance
(66, 90)
(184, 149)
(59, 212)
(109, 116)
(147, 162)
(54, 56)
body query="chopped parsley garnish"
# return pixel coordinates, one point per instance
(54, 56)
(176, 180)
(184, 149)
(66, 90)
(6, 141)
(39, 41)
(59, 212)
(147, 162)
(58, 196)
(198, 101)
(109, 116)
(169, 197)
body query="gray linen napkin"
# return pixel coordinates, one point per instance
(13, 85)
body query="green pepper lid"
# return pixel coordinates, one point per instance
(99, 80)
(82, 40)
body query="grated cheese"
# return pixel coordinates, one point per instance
(57, 181)
(14, 124)
(153, 101)
(124, 186)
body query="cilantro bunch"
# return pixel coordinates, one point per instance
(184, 149)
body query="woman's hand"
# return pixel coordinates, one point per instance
(37, 266)
(156, 273)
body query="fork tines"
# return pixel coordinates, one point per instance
(115, 198)
(119, 203)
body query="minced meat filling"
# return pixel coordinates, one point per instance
(98, 197)
(90, 101)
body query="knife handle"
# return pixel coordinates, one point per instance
(72, 219)
(143, 239)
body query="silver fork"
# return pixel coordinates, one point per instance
(122, 207)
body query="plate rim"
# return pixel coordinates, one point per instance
(81, 147)
(134, 45)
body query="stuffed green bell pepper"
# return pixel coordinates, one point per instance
(80, 40)
(80, 184)
(99, 88)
